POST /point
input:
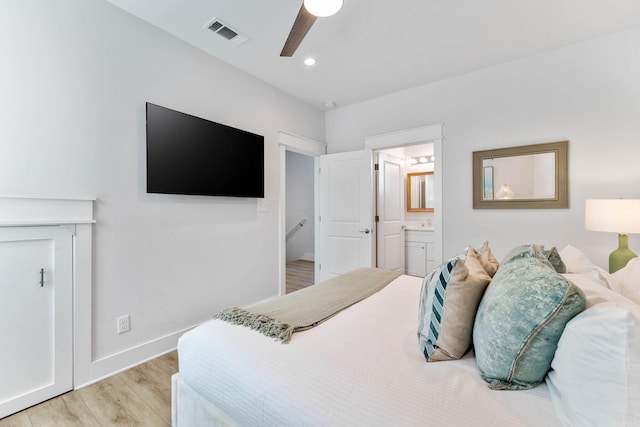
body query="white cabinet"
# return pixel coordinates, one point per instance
(36, 362)
(45, 265)
(419, 248)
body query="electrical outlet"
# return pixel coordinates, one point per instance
(123, 324)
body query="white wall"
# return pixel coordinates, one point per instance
(300, 206)
(74, 80)
(587, 93)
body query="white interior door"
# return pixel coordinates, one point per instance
(36, 361)
(390, 213)
(346, 232)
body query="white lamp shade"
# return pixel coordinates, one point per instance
(620, 216)
(505, 192)
(323, 8)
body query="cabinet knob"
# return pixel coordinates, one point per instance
(42, 277)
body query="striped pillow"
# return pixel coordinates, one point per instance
(448, 303)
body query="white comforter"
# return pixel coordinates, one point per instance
(361, 367)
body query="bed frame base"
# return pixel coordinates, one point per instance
(189, 409)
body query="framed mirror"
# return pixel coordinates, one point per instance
(420, 196)
(526, 177)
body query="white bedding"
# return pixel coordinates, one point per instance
(361, 367)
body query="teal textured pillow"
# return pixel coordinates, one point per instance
(553, 257)
(520, 319)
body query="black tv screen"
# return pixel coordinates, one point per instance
(191, 155)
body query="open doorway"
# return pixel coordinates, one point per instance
(403, 234)
(299, 220)
(291, 143)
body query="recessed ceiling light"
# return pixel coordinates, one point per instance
(309, 61)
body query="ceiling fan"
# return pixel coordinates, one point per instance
(310, 10)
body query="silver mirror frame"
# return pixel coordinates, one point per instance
(561, 199)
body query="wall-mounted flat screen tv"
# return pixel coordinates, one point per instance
(191, 155)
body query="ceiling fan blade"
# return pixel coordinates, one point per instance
(300, 28)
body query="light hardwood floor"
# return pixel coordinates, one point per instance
(300, 274)
(140, 396)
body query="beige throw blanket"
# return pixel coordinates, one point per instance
(281, 316)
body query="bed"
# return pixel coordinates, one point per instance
(362, 366)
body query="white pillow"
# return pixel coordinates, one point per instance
(595, 291)
(595, 376)
(577, 262)
(574, 259)
(628, 279)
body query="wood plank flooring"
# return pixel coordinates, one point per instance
(140, 396)
(300, 274)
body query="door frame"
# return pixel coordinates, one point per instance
(290, 142)
(420, 135)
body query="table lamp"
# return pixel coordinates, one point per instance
(505, 192)
(620, 216)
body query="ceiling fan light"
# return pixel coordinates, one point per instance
(323, 8)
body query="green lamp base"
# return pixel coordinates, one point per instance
(621, 256)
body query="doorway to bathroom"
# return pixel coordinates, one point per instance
(395, 220)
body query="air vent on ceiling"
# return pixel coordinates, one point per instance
(223, 30)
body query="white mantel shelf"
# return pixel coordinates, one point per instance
(25, 211)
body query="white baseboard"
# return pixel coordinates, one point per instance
(308, 257)
(123, 360)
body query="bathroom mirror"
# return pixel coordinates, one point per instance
(420, 192)
(526, 177)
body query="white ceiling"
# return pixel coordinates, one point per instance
(375, 47)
